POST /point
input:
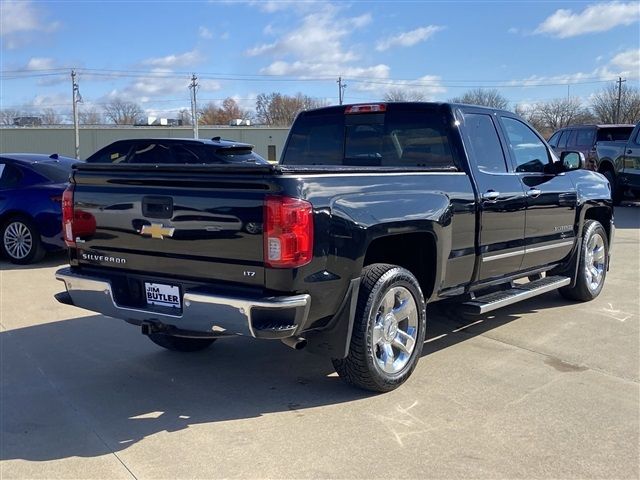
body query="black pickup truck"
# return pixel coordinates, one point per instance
(619, 161)
(374, 211)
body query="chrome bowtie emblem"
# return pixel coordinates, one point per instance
(157, 230)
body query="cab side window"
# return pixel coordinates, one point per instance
(562, 141)
(553, 141)
(529, 152)
(484, 144)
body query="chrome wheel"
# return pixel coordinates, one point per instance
(595, 262)
(395, 330)
(18, 240)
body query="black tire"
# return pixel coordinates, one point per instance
(20, 240)
(584, 289)
(616, 194)
(362, 367)
(180, 344)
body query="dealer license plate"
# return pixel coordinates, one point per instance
(163, 295)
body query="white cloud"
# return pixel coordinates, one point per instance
(186, 59)
(428, 85)
(205, 33)
(319, 46)
(316, 46)
(408, 39)
(18, 19)
(209, 85)
(304, 69)
(625, 64)
(18, 16)
(599, 17)
(158, 84)
(40, 63)
(319, 38)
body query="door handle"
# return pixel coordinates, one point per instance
(490, 196)
(629, 152)
(534, 193)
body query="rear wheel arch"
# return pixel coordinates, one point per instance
(601, 214)
(606, 165)
(417, 252)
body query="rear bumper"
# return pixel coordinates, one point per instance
(205, 313)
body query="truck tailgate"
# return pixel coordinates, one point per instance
(204, 224)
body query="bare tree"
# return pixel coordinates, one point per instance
(482, 96)
(50, 117)
(184, 116)
(213, 114)
(90, 116)
(529, 113)
(604, 104)
(280, 110)
(8, 114)
(562, 112)
(400, 95)
(122, 112)
(547, 117)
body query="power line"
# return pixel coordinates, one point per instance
(451, 83)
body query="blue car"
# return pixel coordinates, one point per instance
(31, 187)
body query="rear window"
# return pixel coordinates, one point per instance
(614, 134)
(584, 137)
(391, 139)
(57, 172)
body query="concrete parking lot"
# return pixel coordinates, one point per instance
(543, 389)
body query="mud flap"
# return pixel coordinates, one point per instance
(333, 341)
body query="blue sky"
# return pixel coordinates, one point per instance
(146, 51)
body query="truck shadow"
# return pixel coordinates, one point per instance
(448, 326)
(51, 259)
(91, 386)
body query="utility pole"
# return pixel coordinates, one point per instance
(194, 105)
(620, 81)
(76, 98)
(341, 87)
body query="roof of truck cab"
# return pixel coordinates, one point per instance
(403, 105)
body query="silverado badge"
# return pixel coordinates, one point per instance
(157, 230)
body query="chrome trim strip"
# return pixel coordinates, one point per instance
(392, 174)
(503, 255)
(549, 247)
(528, 250)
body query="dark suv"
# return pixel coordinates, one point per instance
(177, 151)
(583, 138)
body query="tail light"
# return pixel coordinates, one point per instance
(366, 108)
(288, 232)
(67, 216)
(75, 223)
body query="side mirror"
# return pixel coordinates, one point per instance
(571, 161)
